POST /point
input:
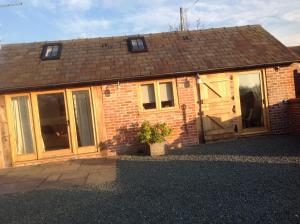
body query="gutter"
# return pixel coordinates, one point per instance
(140, 78)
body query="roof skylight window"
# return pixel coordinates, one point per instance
(137, 44)
(51, 51)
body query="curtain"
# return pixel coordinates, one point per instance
(22, 125)
(83, 117)
(166, 91)
(148, 93)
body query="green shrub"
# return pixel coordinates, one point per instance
(153, 133)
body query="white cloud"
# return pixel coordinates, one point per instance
(290, 40)
(149, 16)
(75, 5)
(43, 4)
(293, 16)
(151, 20)
(78, 4)
(281, 18)
(120, 17)
(238, 13)
(83, 27)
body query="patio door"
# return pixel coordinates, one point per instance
(52, 124)
(250, 101)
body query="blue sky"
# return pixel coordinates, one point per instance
(39, 20)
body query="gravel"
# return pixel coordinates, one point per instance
(253, 180)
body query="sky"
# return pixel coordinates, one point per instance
(39, 20)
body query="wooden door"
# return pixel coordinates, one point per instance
(216, 106)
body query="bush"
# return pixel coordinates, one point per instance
(153, 133)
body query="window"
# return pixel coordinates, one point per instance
(148, 96)
(166, 94)
(51, 51)
(137, 44)
(158, 95)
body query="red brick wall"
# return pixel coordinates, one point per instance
(280, 87)
(122, 115)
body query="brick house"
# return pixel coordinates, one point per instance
(87, 97)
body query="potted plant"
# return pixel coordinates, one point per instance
(154, 137)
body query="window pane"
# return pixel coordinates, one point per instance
(140, 44)
(134, 44)
(53, 121)
(49, 51)
(166, 94)
(83, 117)
(22, 126)
(148, 96)
(54, 51)
(251, 100)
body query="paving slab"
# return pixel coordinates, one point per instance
(55, 175)
(19, 187)
(74, 175)
(53, 178)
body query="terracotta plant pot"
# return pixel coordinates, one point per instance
(157, 149)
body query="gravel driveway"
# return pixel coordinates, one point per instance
(253, 180)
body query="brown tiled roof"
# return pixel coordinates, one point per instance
(108, 59)
(295, 50)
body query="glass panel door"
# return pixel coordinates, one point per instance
(53, 121)
(22, 128)
(251, 101)
(83, 118)
(82, 122)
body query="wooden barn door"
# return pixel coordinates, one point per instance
(216, 107)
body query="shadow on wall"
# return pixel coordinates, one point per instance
(297, 82)
(125, 141)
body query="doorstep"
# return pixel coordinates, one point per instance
(103, 153)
